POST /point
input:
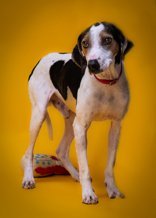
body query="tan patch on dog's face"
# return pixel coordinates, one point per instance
(86, 44)
(108, 42)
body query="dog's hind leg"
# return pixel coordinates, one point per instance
(63, 148)
(37, 118)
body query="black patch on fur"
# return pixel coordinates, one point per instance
(97, 24)
(118, 36)
(33, 70)
(64, 75)
(77, 55)
(129, 46)
(79, 59)
(81, 36)
(62, 52)
(57, 76)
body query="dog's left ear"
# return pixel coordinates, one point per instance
(126, 46)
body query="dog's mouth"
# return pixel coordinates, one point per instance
(108, 72)
(95, 67)
(100, 70)
(95, 71)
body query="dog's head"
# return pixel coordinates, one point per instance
(100, 46)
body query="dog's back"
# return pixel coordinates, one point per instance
(55, 73)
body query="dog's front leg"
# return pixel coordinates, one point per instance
(80, 129)
(111, 187)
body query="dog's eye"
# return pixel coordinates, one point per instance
(85, 43)
(107, 41)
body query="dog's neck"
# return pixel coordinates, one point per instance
(111, 75)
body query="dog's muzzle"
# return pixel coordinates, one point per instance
(94, 66)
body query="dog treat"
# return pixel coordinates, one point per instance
(47, 165)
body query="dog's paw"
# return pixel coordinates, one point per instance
(28, 183)
(89, 197)
(113, 191)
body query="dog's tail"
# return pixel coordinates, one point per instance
(49, 126)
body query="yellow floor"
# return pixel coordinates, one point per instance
(31, 29)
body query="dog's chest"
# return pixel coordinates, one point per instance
(108, 104)
(99, 102)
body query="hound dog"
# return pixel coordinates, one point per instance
(94, 77)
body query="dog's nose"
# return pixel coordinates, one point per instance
(94, 66)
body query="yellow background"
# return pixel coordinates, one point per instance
(31, 29)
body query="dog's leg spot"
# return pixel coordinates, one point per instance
(58, 103)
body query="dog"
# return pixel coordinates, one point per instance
(93, 77)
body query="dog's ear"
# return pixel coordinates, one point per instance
(77, 55)
(124, 44)
(79, 59)
(127, 46)
(124, 47)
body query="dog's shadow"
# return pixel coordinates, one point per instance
(98, 183)
(54, 178)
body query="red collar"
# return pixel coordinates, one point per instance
(111, 81)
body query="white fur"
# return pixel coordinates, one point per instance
(104, 57)
(100, 102)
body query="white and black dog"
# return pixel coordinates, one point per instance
(94, 77)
